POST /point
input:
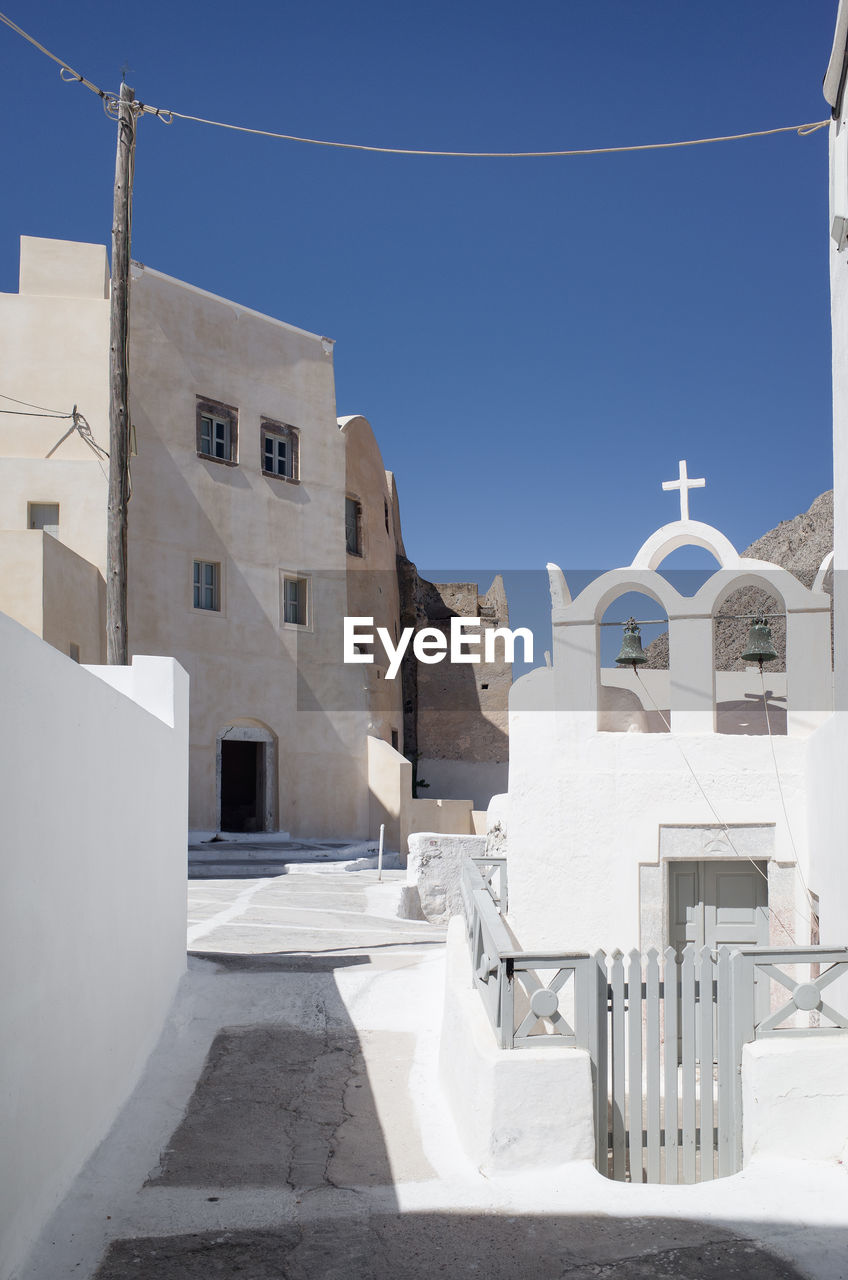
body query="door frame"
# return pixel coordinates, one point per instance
(252, 731)
(701, 842)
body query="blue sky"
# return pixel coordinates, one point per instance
(536, 342)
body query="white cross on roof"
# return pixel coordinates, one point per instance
(684, 484)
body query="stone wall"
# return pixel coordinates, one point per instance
(456, 713)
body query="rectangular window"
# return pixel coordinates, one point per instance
(74, 651)
(279, 450)
(207, 581)
(294, 601)
(353, 526)
(215, 437)
(43, 515)
(217, 431)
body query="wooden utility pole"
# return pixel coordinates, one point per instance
(117, 646)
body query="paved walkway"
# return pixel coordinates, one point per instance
(290, 1127)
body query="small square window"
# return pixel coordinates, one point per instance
(43, 515)
(295, 599)
(207, 585)
(279, 450)
(217, 431)
(353, 526)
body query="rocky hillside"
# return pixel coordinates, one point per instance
(798, 545)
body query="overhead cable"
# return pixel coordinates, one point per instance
(168, 115)
(51, 413)
(64, 67)
(801, 129)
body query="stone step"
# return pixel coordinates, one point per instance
(235, 870)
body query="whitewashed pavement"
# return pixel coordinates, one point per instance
(290, 1126)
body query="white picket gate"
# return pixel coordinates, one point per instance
(671, 1064)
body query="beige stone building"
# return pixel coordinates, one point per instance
(236, 542)
(258, 519)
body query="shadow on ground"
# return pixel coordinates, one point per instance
(280, 961)
(492, 1247)
(286, 1108)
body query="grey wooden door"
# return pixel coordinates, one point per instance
(718, 903)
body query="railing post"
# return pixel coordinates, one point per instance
(590, 1008)
(726, 1066)
(742, 985)
(506, 978)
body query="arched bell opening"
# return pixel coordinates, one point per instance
(749, 660)
(688, 567)
(633, 688)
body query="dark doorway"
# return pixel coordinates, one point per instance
(242, 786)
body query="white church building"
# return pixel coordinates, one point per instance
(650, 808)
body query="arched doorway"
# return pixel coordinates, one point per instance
(246, 770)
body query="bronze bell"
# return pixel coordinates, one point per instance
(760, 647)
(631, 646)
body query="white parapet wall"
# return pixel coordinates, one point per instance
(93, 820)
(795, 1097)
(392, 803)
(513, 1109)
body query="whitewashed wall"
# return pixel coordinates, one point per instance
(93, 819)
(586, 808)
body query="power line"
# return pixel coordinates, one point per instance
(22, 413)
(168, 115)
(801, 129)
(63, 66)
(53, 413)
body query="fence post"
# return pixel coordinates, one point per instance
(617, 1056)
(591, 1004)
(687, 986)
(706, 1011)
(634, 1063)
(726, 1067)
(670, 1030)
(742, 985)
(652, 1063)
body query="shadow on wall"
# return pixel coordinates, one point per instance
(753, 714)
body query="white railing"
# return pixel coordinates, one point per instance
(664, 1033)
